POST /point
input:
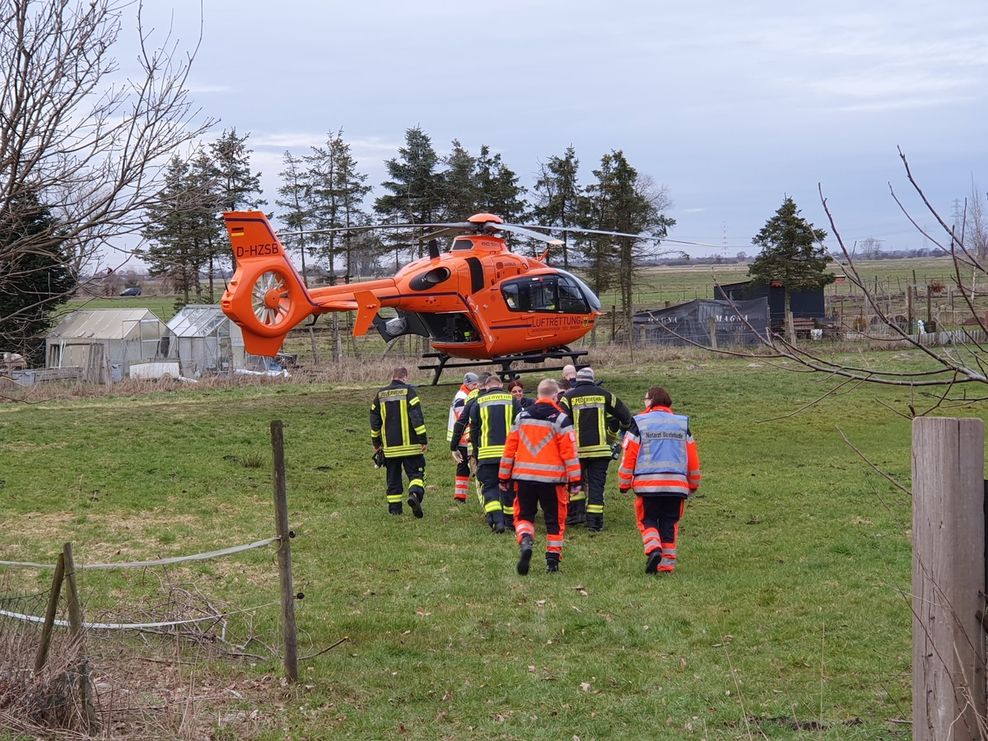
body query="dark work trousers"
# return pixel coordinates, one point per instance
(414, 467)
(594, 472)
(659, 514)
(487, 476)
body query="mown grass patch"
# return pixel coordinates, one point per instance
(789, 610)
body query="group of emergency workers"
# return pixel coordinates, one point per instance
(552, 454)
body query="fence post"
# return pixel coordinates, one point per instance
(948, 578)
(712, 331)
(56, 589)
(284, 553)
(78, 637)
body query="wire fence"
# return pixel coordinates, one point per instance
(118, 657)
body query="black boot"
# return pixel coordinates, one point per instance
(525, 557)
(394, 509)
(509, 523)
(595, 522)
(415, 503)
(552, 563)
(652, 565)
(577, 514)
(497, 522)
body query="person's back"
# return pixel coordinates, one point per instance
(398, 432)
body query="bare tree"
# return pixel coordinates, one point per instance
(88, 145)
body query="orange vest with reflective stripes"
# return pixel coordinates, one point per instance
(540, 449)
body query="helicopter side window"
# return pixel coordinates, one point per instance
(461, 243)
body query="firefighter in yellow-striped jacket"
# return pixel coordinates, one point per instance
(398, 433)
(595, 412)
(491, 416)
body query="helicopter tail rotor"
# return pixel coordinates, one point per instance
(265, 297)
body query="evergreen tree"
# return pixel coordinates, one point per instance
(238, 187)
(415, 187)
(207, 231)
(336, 193)
(791, 253)
(460, 192)
(558, 195)
(500, 192)
(38, 279)
(171, 226)
(622, 201)
(295, 198)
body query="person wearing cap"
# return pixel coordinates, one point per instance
(471, 383)
(398, 434)
(661, 464)
(540, 461)
(595, 412)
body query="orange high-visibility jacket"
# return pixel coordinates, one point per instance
(541, 446)
(660, 455)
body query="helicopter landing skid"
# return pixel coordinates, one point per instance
(505, 361)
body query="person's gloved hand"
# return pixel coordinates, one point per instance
(378, 458)
(575, 488)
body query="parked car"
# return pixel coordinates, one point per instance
(132, 291)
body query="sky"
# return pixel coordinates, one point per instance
(730, 106)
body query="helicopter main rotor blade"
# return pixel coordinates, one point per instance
(465, 226)
(523, 232)
(604, 232)
(448, 232)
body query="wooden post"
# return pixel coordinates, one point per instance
(948, 578)
(929, 309)
(78, 637)
(909, 310)
(790, 328)
(712, 331)
(315, 349)
(56, 589)
(284, 553)
(613, 322)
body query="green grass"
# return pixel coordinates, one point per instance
(789, 606)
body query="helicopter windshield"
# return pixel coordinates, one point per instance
(560, 293)
(589, 295)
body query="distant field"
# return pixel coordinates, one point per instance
(790, 608)
(681, 283)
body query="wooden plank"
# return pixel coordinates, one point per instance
(948, 576)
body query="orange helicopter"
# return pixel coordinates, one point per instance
(479, 301)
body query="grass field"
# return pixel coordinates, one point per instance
(789, 613)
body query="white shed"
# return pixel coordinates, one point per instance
(105, 342)
(206, 341)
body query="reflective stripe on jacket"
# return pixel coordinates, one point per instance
(660, 455)
(396, 420)
(455, 409)
(491, 416)
(541, 447)
(594, 410)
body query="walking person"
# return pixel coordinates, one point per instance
(398, 434)
(491, 415)
(540, 461)
(661, 465)
(467, 390)
(595, 411)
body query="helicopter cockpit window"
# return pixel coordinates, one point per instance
(462, 243)
(544, 293)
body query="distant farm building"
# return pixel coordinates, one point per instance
(804, 304)
(206, 341)
(704, 322)
(104, 343)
